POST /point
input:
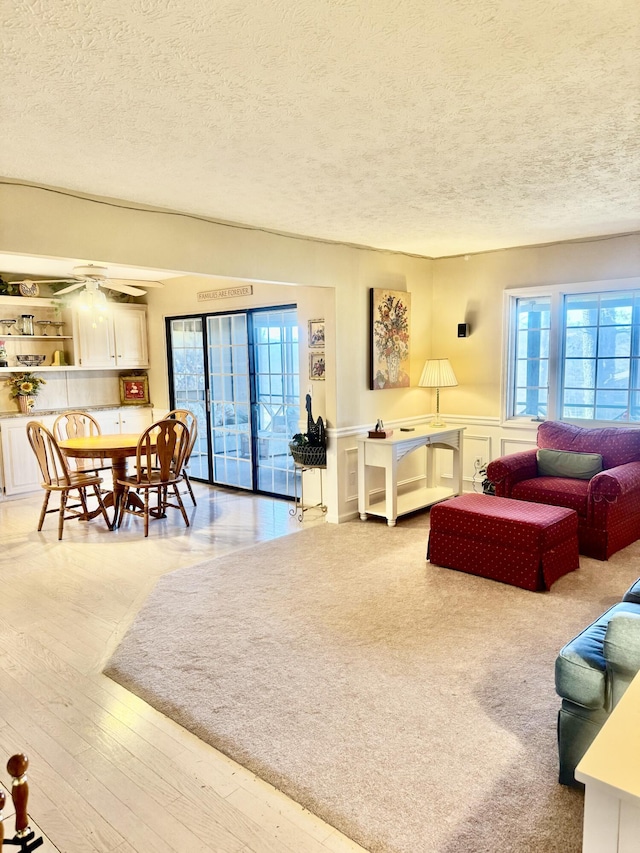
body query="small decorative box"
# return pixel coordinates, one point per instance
(380, 433)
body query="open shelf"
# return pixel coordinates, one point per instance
(412, 500)
(9, 338)
(48, 368)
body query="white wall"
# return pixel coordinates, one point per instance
(35, 221)
(472, 291)
(181, 298)
(335, 280)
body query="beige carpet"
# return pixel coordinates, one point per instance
(410, 706)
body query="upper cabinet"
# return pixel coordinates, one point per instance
(119, 340)
(67, 337)
(130, 330)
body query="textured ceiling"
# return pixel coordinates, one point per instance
(427, 126)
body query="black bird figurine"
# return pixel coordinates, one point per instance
(315, 429)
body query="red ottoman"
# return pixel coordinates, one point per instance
(518, 542)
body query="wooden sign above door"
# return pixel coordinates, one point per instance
(225, 292)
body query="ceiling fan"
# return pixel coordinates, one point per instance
(93, 277)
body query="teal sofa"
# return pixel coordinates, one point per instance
(592, 672)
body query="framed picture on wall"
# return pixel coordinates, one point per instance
(390, 313)
(134, 389)
(316, 365)
(316, 334)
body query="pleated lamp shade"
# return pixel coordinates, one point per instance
(437, 373)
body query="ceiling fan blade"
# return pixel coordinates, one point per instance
(46, 280)
(123, 288)
(71, 287)
(133, 282)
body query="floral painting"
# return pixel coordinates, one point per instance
(390, 327)
(316, 333)
(316, 365)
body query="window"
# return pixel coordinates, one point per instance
(574, 353)
(532, 356)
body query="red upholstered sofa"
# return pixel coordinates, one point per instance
(608, 505)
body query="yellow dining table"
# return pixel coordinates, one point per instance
(117, 447)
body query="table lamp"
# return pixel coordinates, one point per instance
(437, 373)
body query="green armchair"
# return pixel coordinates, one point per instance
(592, 672)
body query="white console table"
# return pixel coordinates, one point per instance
(609, 770)
(387, 452)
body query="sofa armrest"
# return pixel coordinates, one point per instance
(506, 471)
(622, 642)
(615, 482)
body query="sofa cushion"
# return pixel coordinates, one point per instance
(555, 491)
(565, 463)
(580, 665)
(617, 446)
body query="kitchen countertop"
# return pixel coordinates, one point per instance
(41, 412)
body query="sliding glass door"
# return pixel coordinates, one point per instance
(188, 385)
(238, 373)
(229, 394)
(276, 400)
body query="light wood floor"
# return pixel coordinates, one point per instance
(107, 772)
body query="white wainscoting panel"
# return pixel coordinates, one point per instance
(515, 445)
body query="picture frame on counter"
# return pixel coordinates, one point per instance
(134, 390)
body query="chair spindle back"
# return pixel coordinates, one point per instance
(53, 465)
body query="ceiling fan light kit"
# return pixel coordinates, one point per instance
(94, 302)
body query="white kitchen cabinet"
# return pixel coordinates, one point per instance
(21, 473)
(119, 340)
(94, 346)
(133, 419)
(130, 332)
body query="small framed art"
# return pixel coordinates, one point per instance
(316, 365)
(316, 334)
(134, 389)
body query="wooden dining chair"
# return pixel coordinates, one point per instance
(160, 456)
(58, 477)
(191, 422)
(78, 424)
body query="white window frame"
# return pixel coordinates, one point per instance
(556, 293)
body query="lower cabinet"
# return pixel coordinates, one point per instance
(20, 471)
(123, 420)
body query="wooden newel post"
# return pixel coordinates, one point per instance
(2, 801)
(17, 768)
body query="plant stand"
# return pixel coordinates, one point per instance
(299, 508)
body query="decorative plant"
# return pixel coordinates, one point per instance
(8, 288)
(24, 385)
(300, 439)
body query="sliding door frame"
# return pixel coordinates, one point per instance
(203, 316)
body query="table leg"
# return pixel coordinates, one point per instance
(363, 484)
(119, 470)
(391, 489)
